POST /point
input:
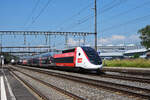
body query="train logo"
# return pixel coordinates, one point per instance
(79, 60)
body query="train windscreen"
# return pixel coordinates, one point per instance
(92, 55)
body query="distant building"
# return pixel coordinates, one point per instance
(122, 51)
(148, 54)
(141, 52)
(113, 55)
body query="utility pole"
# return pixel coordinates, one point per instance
(95, 11)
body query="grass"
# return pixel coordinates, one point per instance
(140, 63)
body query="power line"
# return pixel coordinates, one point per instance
(129, 10)
(128, 22)
(85, 19)
(106, 9)
(32, 12)
(108, 4)
(112, 6)
(91, 16)
(42, 10)
(75, 15)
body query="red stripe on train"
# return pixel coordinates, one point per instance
(70, 54)
(66, 64)
(74, 60)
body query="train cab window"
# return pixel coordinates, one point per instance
(92, 55)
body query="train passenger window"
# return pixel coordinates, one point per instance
(79, 54)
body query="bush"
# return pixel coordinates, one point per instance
(145, 63)
(136, 56)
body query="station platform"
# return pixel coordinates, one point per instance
(11, 88)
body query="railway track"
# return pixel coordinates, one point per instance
(128, 71)
(43, 97)
(124, 89)
(123, 77)
(40, 95)
(128, 78)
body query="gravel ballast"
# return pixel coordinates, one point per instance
(82, 90)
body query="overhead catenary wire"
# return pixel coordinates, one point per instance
(75, 15)
(29, 17)
(38, 15)
(128, 11)
(90, 16)
(128, 22)
(84, 18)
(41, 11)
(111, 5)
(32, 12)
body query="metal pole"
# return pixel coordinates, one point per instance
(24, 39)
(83, 40)
(49, 42)
(1, 45)
(95, 10)
(66, 40)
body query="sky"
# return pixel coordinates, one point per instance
(118, 20)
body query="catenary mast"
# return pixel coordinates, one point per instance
(95, 11)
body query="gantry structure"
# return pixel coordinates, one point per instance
(45, 33)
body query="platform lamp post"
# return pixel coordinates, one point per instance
(1, 56)
(2, 60)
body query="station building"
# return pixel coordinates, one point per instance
(122, 51)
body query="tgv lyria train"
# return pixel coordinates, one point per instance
(79, 57)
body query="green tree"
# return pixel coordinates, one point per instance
(145, 36)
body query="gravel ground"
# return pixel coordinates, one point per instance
(136, 84)
(85, 91)
(48, 92)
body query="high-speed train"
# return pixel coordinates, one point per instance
(79, 58)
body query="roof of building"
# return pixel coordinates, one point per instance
(136, 51)
(111, 54)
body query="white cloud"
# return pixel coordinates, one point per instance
(113, 40)
(134, 37)
(73, 42)
(103, 41)
(119, 39)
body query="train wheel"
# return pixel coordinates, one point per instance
(100, 72)
(80, 70)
